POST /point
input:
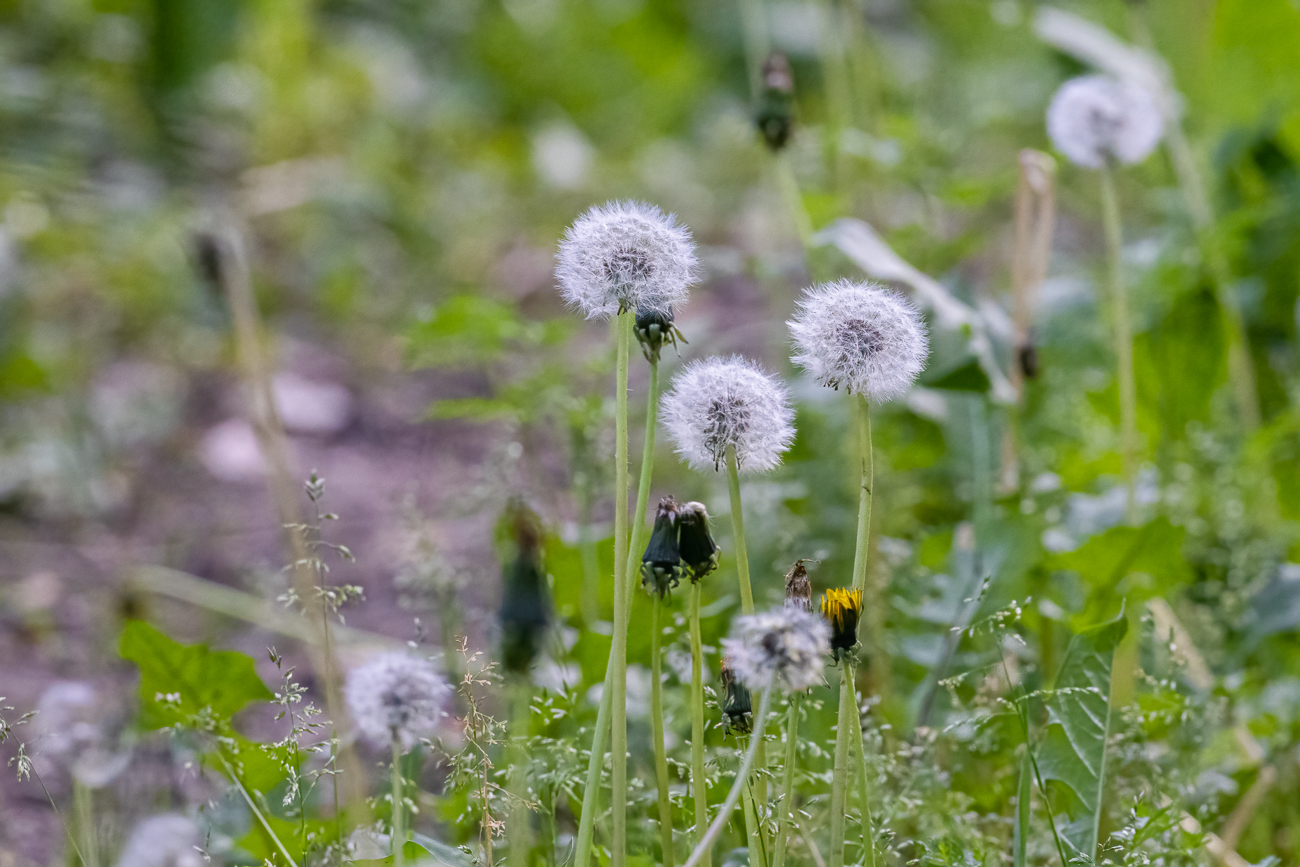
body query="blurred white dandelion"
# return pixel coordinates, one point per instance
(859, 335)
(397, 696)
(168, 840)
(1096, 118)
(71, 730)
(785, 647)
(722, 402)
(626, 256)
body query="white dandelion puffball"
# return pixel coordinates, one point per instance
(169, 840)
(1094, 118)
(785, 647)
(729, 401)
(862, 336)
(626, 256)
(396, 696)
(73, 729)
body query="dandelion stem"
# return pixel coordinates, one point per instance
(867, 477)
(742, 780)
(657, 732)
(787, 781)
(753, 833)
(738, 532)
(517, 834)
(618, 700)
(639, 527)
(839, 780)
(83, 804)
(699, 784)
(1123, 333)
(864, 788)
(398, 839)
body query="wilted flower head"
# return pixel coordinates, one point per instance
(169, 840)
(626, 256)
(1095, 118)
(859, 335)
(699, 551)
(842, 608)
(396, 696)
(737, 704)
(525, 603)
(785, 647)
(729, 401)
(661, 565)
(654, 329)
(798, 589)
(71, 729)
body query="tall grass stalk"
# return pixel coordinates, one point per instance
(787, 781)
(657, 731)
(699, 783)
(701, 851)
(1123, 335)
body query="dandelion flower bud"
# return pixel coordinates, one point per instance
(722, 402)
(798, 589)
(396, 696)
(525, 605)
(661, 565)
(775, 115)
(624, 256)
(1096, 118)
(842, 607)
(737, 705)
(784, 647)
(859, 335)
(699, 551)
(654, 328)
(169, 840)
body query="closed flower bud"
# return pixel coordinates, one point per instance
(625, 256)
(654, 329)
(842, 607)
(798, 589)
(699, 551)
(525, 604)
(737, 706)
(661, 564)
(775, 114)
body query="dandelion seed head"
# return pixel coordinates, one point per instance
(859, 335)
(73, 730)
(626, 256)
(785, 647)
(1094, 118)
(169, 840)
(396, 695)
(729, 401)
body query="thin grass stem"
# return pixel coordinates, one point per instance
(252, 806)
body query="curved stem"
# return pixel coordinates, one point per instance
(738, 532)
(618, 700)
(699, 783)
(398, 840)
(742, 779)
(840, 778)
(787, 781)
(657, 733)
(1128, 433)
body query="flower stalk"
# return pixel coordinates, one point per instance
(738, 532)
(657, 731)
(618, 699)
(699, 783)
(398, 839)
(787, 781)
(840, 778)
(1123, 336)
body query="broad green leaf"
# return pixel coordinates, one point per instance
(1022, 807)
(1073, 753)
(413, 853)
(179, 680)
(1154, 550)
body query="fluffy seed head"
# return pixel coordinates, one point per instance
(729, 401)
(859, 335)
(73, 730)
(626, 256)
(169, 840)
(784, 647)
(1094, 118)
(396, 696)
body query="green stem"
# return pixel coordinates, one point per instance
(618, 701)
(1123, 334)
(640, 530)
(517, 833)
(657, 733)
(742, 780)
(840, 778)
(746, 590)
(699, 783)
(622, 600)
(753, 835)
(83, 804)
(261, 820)
(787, 781)
(864, 787)
(866, 476)
(398, 839)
